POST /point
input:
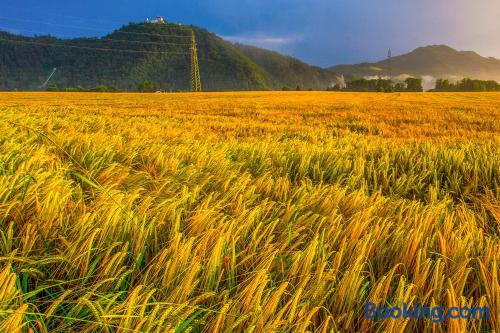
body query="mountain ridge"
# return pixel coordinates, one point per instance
(25, 62)
(140, 52)
(440, 61)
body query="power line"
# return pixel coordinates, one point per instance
(195, 70)
(145, 42)
(95, 38)
(11, 30)
(49, 23)
(23, 8)
(148, 34)
(100, 30)
(101, 20)
(89, 48)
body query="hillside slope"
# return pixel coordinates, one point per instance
(285, 69)
(435, 60)
(153, 52)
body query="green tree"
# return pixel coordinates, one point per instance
(101, 88)
(414, 84)
(77, 89)
(444, 85)
(379, 85)
(467, 85)
(399, 87)
(52, 87)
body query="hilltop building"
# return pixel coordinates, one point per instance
(157, 20)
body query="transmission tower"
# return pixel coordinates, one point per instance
(195, 66)
(389, 63)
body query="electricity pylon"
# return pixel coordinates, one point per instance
(389, 61)
(195, 66)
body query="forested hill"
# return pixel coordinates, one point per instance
(149, 52)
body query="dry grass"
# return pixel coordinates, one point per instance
(253, 212)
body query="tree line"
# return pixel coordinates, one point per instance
(381, 85)
(415, 85)
(466, 85)
(359, 85)
(145, 87)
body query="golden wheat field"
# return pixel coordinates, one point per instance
(247, 212)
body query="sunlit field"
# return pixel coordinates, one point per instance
(247, 212)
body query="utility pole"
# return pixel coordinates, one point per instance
(195, 66)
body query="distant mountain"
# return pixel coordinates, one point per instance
(153, 52)
(439, 61)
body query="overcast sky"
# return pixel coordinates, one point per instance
(320, 32)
